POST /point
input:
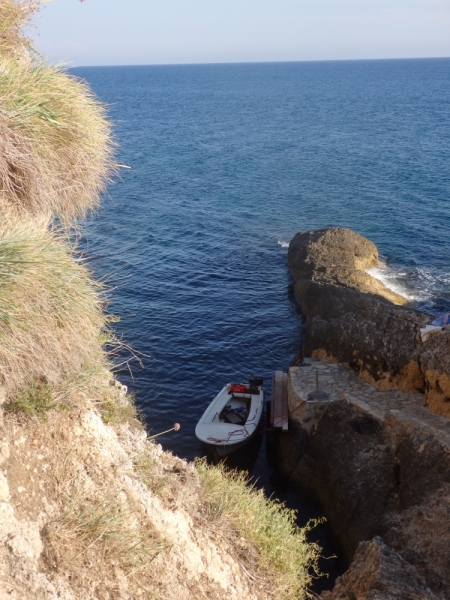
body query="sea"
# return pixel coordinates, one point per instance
(225, 164)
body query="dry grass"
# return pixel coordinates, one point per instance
(264, 530)
(55, 140)
(93, 384)
(14, 15)
(55, 160)
(97, 537)
(100, 533)
(55, 143)
(172, 480)
(50, 312)
(148, 469)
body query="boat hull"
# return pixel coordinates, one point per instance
(223, 436)
(226, 450)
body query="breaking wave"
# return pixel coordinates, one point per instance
(427, 287)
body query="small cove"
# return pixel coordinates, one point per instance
(227, 163)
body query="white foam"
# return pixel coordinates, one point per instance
(283, 244)
(397, 280)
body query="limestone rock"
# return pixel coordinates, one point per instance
(337, 256)
(386, 477)
(379, 573)
(352, 317)
(421, 533)
(435, 364)
(374, 476)
(348, 465)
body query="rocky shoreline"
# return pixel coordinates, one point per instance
(352, 317)
(376, 455)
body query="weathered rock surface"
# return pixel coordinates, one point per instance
(421, 533)
(373, 477)
(435, 365)
(348, 465)
(378, 573)
(338, 256)
(382, 477)
(51, 472)
(352, 317)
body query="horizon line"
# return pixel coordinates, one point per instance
(260, 62)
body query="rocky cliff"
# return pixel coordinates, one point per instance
(376, 458)
(386, 477)
(378, 573)
(352, 317)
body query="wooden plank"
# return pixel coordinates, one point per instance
(284, 403)
(272, 402)
(277, 399)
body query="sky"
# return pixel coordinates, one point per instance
(132, 32)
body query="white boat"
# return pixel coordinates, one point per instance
(233, 416)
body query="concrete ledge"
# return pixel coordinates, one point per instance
(340, 382)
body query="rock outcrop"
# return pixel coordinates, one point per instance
(435, 365)
(373, 477)
(378, 573)
(352, 317)
(92, 511)
(382, 476)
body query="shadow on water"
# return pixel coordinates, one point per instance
(259, 458)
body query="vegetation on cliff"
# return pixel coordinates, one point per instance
(50, 311)
(89, 506)
(56, 145)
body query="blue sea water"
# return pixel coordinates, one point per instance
(227, 163)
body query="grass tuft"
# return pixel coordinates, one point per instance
(116, 409)
(51, 315)
(149, 471)
(36, 399)
(56, 146)
(91, 536)
(263, 529)
(14, 16)
(55, 143)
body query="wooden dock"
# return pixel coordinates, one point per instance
(279, 412)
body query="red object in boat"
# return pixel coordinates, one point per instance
(237, 388)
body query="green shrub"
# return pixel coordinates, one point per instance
(262, 527)
(36, 399)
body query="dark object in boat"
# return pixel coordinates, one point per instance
(229, 435)
(236, 416)
(253, 384)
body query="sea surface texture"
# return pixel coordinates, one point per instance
(227, 163)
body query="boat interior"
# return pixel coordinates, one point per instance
(236, 409)
(236, 404)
